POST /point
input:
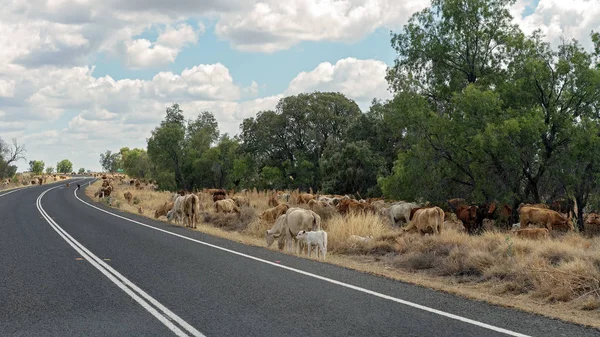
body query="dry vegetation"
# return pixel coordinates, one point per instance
(25, 179)
(558, 277)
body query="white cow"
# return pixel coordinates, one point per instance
(400, 212)
(316, 238)
(177, 213)
(286, 227)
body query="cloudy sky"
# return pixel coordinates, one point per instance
(78, 77)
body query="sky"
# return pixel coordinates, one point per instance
(78, 77)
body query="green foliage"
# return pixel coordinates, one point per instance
(166, 148)
(111, 162)
(348, 168)
(64, 166)
(294, 137)
(81, 171)
(49, 170)
(36, 166)
(135, 162)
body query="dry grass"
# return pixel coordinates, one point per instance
(24, 180)
(558, 277)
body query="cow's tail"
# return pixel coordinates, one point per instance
(440, 220)
(316, 222)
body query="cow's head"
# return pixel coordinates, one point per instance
(473, 211)
(385, 211)
(301, 234)
(270, 237)
(170, 214)
(570, 222)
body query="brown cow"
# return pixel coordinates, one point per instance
(455, 203)
(241, 201)
(313, 204)
(468, 215)
(427, 220)
(271, 214)
(273, 202)
(128, 196)
(164, 209)
(592, 223)
(549, 218)
(226, 206)
(218, 197)
(353, 206)
(415, 209)
(140, 210)
(533, 205)
(532, 233)
(304, 198)
(191, 210)
(218, 194)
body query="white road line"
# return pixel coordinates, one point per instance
(31, 186)
(326, 279)
(13, 191)
(166, 317)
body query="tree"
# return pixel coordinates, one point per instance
(81, 171)
(135, 162)
(166, 148)
(294, 137)
(348, 168)
(64, 166)
(9, 154)
(110, 162)
(36, 166)
(451, 44)
(49, 170)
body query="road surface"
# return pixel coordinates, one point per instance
(70, 267)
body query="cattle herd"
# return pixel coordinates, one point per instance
(109, 180)
(32, 180)
(299, 226)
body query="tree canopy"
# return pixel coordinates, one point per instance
(36, 166)
(64, 166)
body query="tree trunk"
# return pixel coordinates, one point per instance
(580, 205)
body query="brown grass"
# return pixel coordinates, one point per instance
(558, 277)
(24, 179)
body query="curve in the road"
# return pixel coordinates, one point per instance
(140, 296)
(322, 278)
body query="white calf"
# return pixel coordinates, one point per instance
(317, 238)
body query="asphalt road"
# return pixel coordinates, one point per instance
(69, 268)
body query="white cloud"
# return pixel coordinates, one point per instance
(360, 80)
(557, 19)
(142, 53)
(7, 88)
(180, 36)
(274, 25)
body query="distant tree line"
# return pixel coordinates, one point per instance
(480, 111)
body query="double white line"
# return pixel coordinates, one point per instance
(162, 313)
